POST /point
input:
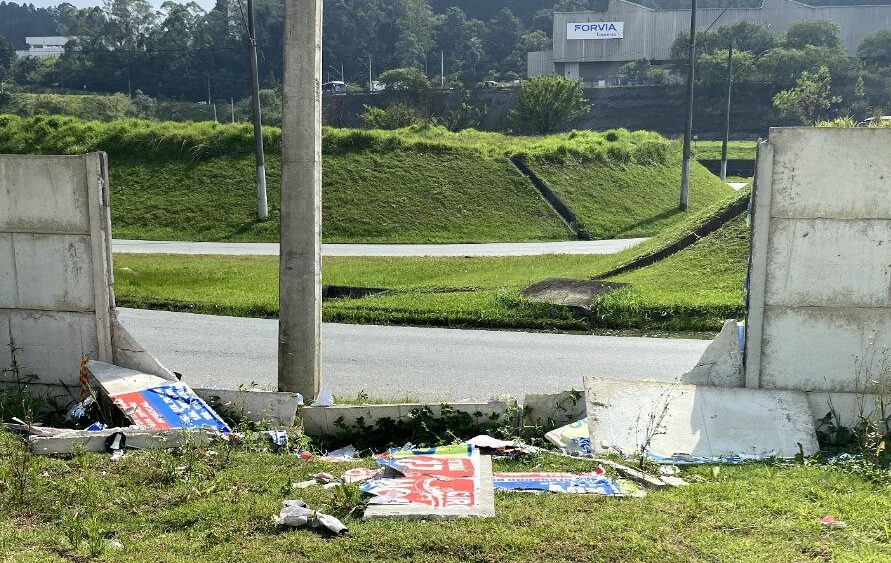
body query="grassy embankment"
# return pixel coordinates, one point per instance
(692, 290)
(183, 506)
(193, 181)
(736, 150)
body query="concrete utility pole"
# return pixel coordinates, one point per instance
(688, 120)
(262, 207)
(300, 266)
(727, 114)
(442, 69)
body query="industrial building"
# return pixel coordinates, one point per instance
(592, 46)
(43, 47)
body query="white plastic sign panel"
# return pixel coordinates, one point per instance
(595, 30)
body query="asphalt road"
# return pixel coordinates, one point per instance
(487, 249)
(406, 362)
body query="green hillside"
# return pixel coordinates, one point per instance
(626, 199)
(399, 196)
(425, 184)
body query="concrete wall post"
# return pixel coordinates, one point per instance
(300, 269)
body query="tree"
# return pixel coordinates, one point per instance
(7, 57)
(548, 102)
(817, 33)
(875, 50)
(810, 97)
(407, 79)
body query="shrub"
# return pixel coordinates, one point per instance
(396, 116)
(549, 102)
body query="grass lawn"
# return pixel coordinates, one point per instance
(694, 289)
(736, 150)
(698, 287)
(399, 196)
(184, 507)
(630, 200)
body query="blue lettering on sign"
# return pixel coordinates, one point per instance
(596, 27)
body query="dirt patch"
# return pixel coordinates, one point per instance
(578, 294)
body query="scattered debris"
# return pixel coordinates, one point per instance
(582, 483)
(296, 514)
(831, 522)
(325, 398)
(488, 445)
(635, 475)
(359, 474)
(278, 439)
(346, 453)
(455, 485)
(664, 421)
(572, 439)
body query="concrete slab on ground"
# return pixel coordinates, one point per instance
(482, 249)
(697, 420)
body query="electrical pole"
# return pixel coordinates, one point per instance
(442, 69)
(300, 265)
(727, 114)
(262, 207)
(370, 81)
(688, 120)
(232, 108)
(208, 89)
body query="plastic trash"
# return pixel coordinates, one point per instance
(831, 522)
(277, 438)
(325, 398)
(346, 453)
(296, 514)
(80, 411)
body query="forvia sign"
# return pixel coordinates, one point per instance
(595, 30)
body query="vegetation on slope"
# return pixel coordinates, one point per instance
(694, 289)
(623, 199)
(194, 181)
(397, 196)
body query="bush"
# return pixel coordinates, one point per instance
(549, 102)
(396, 116)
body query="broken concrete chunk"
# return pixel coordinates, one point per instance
(722, 362)
(670, 421)
(135, 438)
(636, 475)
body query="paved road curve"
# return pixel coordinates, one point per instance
(488, 249)
(399, 362)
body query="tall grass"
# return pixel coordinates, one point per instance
(51, 134)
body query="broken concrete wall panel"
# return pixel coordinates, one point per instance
(818, 262)
(664, 419)
(49, 344)
(328, 421)
(44, 194)
(84, 440)
(824, 348)
(721, 364)
(831, 173)
(847, 408)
